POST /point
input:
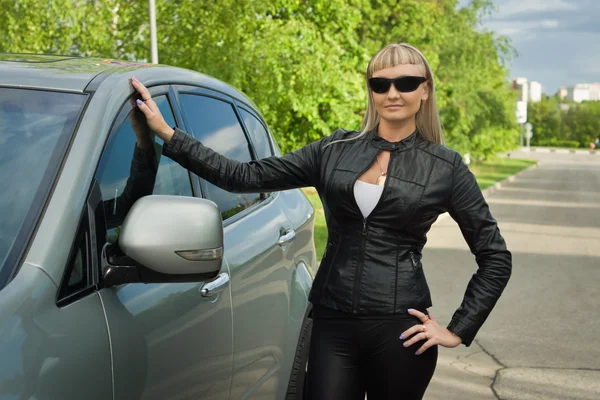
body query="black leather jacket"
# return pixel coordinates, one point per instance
(373, 265)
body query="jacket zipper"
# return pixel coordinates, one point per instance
(412, 257)
(326, 249)
(357, 277)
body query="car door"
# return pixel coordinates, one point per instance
(258, 249)
(169, 341)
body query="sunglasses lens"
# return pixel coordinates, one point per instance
(379, 85)
(408, 84)
(404, 84)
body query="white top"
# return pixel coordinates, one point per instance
(367, 196)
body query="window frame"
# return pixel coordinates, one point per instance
(246, 107)
(89, 229)
(241, 106)
(235, 103)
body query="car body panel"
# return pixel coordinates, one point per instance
(49, 352)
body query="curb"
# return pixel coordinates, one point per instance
(559, 151)
(494, 187)
(511, 178)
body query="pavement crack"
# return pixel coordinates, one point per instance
(493, 382)
(490, 354)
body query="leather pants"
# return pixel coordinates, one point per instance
(349, 357)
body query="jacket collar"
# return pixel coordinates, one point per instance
(409, 142)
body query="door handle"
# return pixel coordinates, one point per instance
(286, 238)
(210, 289)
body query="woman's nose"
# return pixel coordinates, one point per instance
(393, 93)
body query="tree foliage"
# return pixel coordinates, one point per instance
(302, 61)
(563, 123)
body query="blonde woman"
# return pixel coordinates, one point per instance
(382, 188)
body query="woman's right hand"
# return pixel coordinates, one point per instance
(155, 120)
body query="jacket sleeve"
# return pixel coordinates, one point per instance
(470, 210)
(293, 170)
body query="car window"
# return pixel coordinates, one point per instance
(35, 129)
(77, 271)
(258, 134)
(214, 123)
(130, 171)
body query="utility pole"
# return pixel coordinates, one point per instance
(153, 40)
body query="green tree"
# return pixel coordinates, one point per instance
(476, 105)
(582, 122)
(547, 120)
(302, 61)
(70, 27)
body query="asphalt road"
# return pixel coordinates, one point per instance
(542, 340)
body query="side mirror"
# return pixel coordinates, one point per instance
(166, 239)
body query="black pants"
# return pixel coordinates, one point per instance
(349, 357)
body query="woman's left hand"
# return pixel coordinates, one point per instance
(429, 330)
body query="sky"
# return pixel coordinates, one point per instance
(558, 41)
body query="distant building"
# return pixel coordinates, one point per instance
(578, 93)
(594, 91)
(562, 92)
(520, 85)
(535, 91)
(581, 92)
(528, 91)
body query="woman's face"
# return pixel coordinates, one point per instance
(398, 107)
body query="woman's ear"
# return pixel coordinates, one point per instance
(426, 92)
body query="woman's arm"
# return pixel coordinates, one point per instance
(470, 210)
(294, 170)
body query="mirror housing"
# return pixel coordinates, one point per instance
(166, 239)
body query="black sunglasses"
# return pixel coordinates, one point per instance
(403, 84)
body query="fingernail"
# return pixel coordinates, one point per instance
(417, 353)
(133, 78)
(139, 102)
(410, 310)
(402, 336)
(405, 344)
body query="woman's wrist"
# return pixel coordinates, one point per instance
(167, 134)
(454, 334)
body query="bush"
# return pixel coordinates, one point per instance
(558, 143)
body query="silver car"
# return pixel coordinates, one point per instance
(122, 275)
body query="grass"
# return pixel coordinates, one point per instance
(487, 174)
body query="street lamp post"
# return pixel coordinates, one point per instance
(153, 40)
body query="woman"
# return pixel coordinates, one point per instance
(382, 189)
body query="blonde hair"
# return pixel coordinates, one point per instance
(427, 118)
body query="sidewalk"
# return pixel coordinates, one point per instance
(558, 150)
(528, 349)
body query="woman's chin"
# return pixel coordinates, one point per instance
(397, 118)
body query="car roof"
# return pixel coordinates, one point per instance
(82, 74)
(49, 72)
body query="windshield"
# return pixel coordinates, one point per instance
(35, 127)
